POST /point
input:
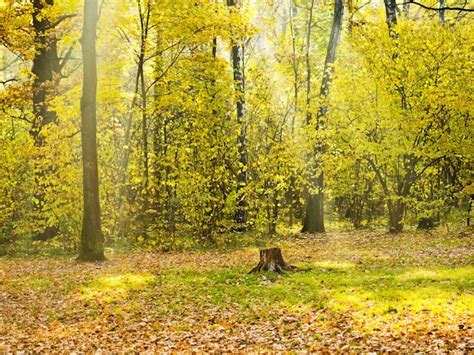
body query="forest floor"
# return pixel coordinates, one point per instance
(356, 292)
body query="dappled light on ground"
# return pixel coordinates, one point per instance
(351, 291)
(114, 287)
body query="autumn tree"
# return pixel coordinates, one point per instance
(91, 248)
(314, 217)
(417, 119)
(237, 59)
(223, 116)
(46, 72)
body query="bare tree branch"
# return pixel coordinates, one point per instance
(461, 9)
(66, 57)
(166, 70)
(59, 20)
(8, 81)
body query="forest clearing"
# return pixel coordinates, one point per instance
(357, 292)
(236, 176)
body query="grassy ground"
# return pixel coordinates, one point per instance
(355, 291)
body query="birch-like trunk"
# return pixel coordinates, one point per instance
(237, 58)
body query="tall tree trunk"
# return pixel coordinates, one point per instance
(145, 206)
(138, 99)
(294, 63)
(396, 209)
(242, 176)
(308, 63)
(91, 248)
(157, 138)
(45, 67)
(314, 218)
(330, 58)
(144, 28)
(291, 195)
(170, 193)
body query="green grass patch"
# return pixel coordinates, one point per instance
(372, 295)
(111, 288)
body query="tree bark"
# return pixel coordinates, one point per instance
(91, 248)
(144, 28)
(396, 210)
(308, 63)
(237, 57)
(314, 218)
(294, 63)
(292, 10)
(469, 210)
(271, 260)
(45, 67)
(391, 16)
(442, 4)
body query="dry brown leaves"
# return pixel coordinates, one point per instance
(42, 311)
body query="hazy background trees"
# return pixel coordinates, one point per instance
(215, 117)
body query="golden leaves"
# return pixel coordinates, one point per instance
(362, 291)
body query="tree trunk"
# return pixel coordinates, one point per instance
(242, 176)
(144, 28)
(396, 212)
(291, 190)
(357, 200)
(294, 63)
(469, 210)
(308, 63)
(91, 248)
(45, 67)
(429, 222)
(314, 218)
(271, 260)
(391, 16)
(330, 57)
(442, 4)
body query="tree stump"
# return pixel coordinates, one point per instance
(272, 260)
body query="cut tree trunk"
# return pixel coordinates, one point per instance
(272, 260)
